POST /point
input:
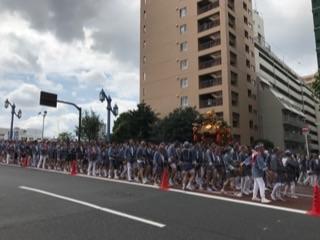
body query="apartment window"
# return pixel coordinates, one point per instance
(245, 19)
(231, 4)
(245, 7)
(234, 98)
(233, 59)
(248, 63)
(232, 40)
(183, 28)
(144, 44)
(144, 29)
(210, 60)
(249, 93)
(207, 5)
(251, 124)
(183, 12)
(246, 34)
(183, 46)
(211, 99)
(236, 120)
(184, 82)
(250, 108)
(210, 80)
(145, 14)
(251, 140)
(209, 22)
(209, 41)
(248, 78)
(247, 49)
(184, 64)
(144, 76)
(184, 101)
(144, 59)
(234, 79)
(232, 21)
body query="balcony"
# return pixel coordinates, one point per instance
(211, 60)
(293, 121)
(294, 137)
(210, 80)
(209, 22)
(207, 5)
(210, 99)
(209, 41)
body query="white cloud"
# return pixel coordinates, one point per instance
(40, 53)
(289, 30)
(26, 96)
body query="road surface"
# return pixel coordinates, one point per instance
(42, 205)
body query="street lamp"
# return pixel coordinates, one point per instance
(7, 103)
(44, 114)
(114, 110)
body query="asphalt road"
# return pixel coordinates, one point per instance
(31, 215)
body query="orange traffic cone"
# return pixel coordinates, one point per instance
(73, 168)
(24, 162)
(165, 180)
(315, 211)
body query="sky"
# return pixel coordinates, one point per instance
(76, 47)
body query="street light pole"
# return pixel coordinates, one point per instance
(44, 114)
(7, 103)
(114, 110)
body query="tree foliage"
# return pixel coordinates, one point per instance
(65, 136)
(135, 124)
(90, 126)
(177, 126)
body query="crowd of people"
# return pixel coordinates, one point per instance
(233, 169)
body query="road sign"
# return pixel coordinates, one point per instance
(305, 130)
(48, 99)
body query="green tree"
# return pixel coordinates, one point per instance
(136, 124)
(90, 126)
(65, 136)
(177, 126)
(122, 129)
(316, 85)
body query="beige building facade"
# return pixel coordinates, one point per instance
(309, 79)
(200, 54)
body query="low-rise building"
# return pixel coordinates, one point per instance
(286, 104)
(21, 134)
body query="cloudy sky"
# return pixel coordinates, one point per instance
(76, 47)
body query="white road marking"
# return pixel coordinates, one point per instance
(239, 201)
(107, 210)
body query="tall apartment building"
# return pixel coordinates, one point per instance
(316, 21)
(286, 103)
(200, 53)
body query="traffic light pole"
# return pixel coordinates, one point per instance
(80, 115)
